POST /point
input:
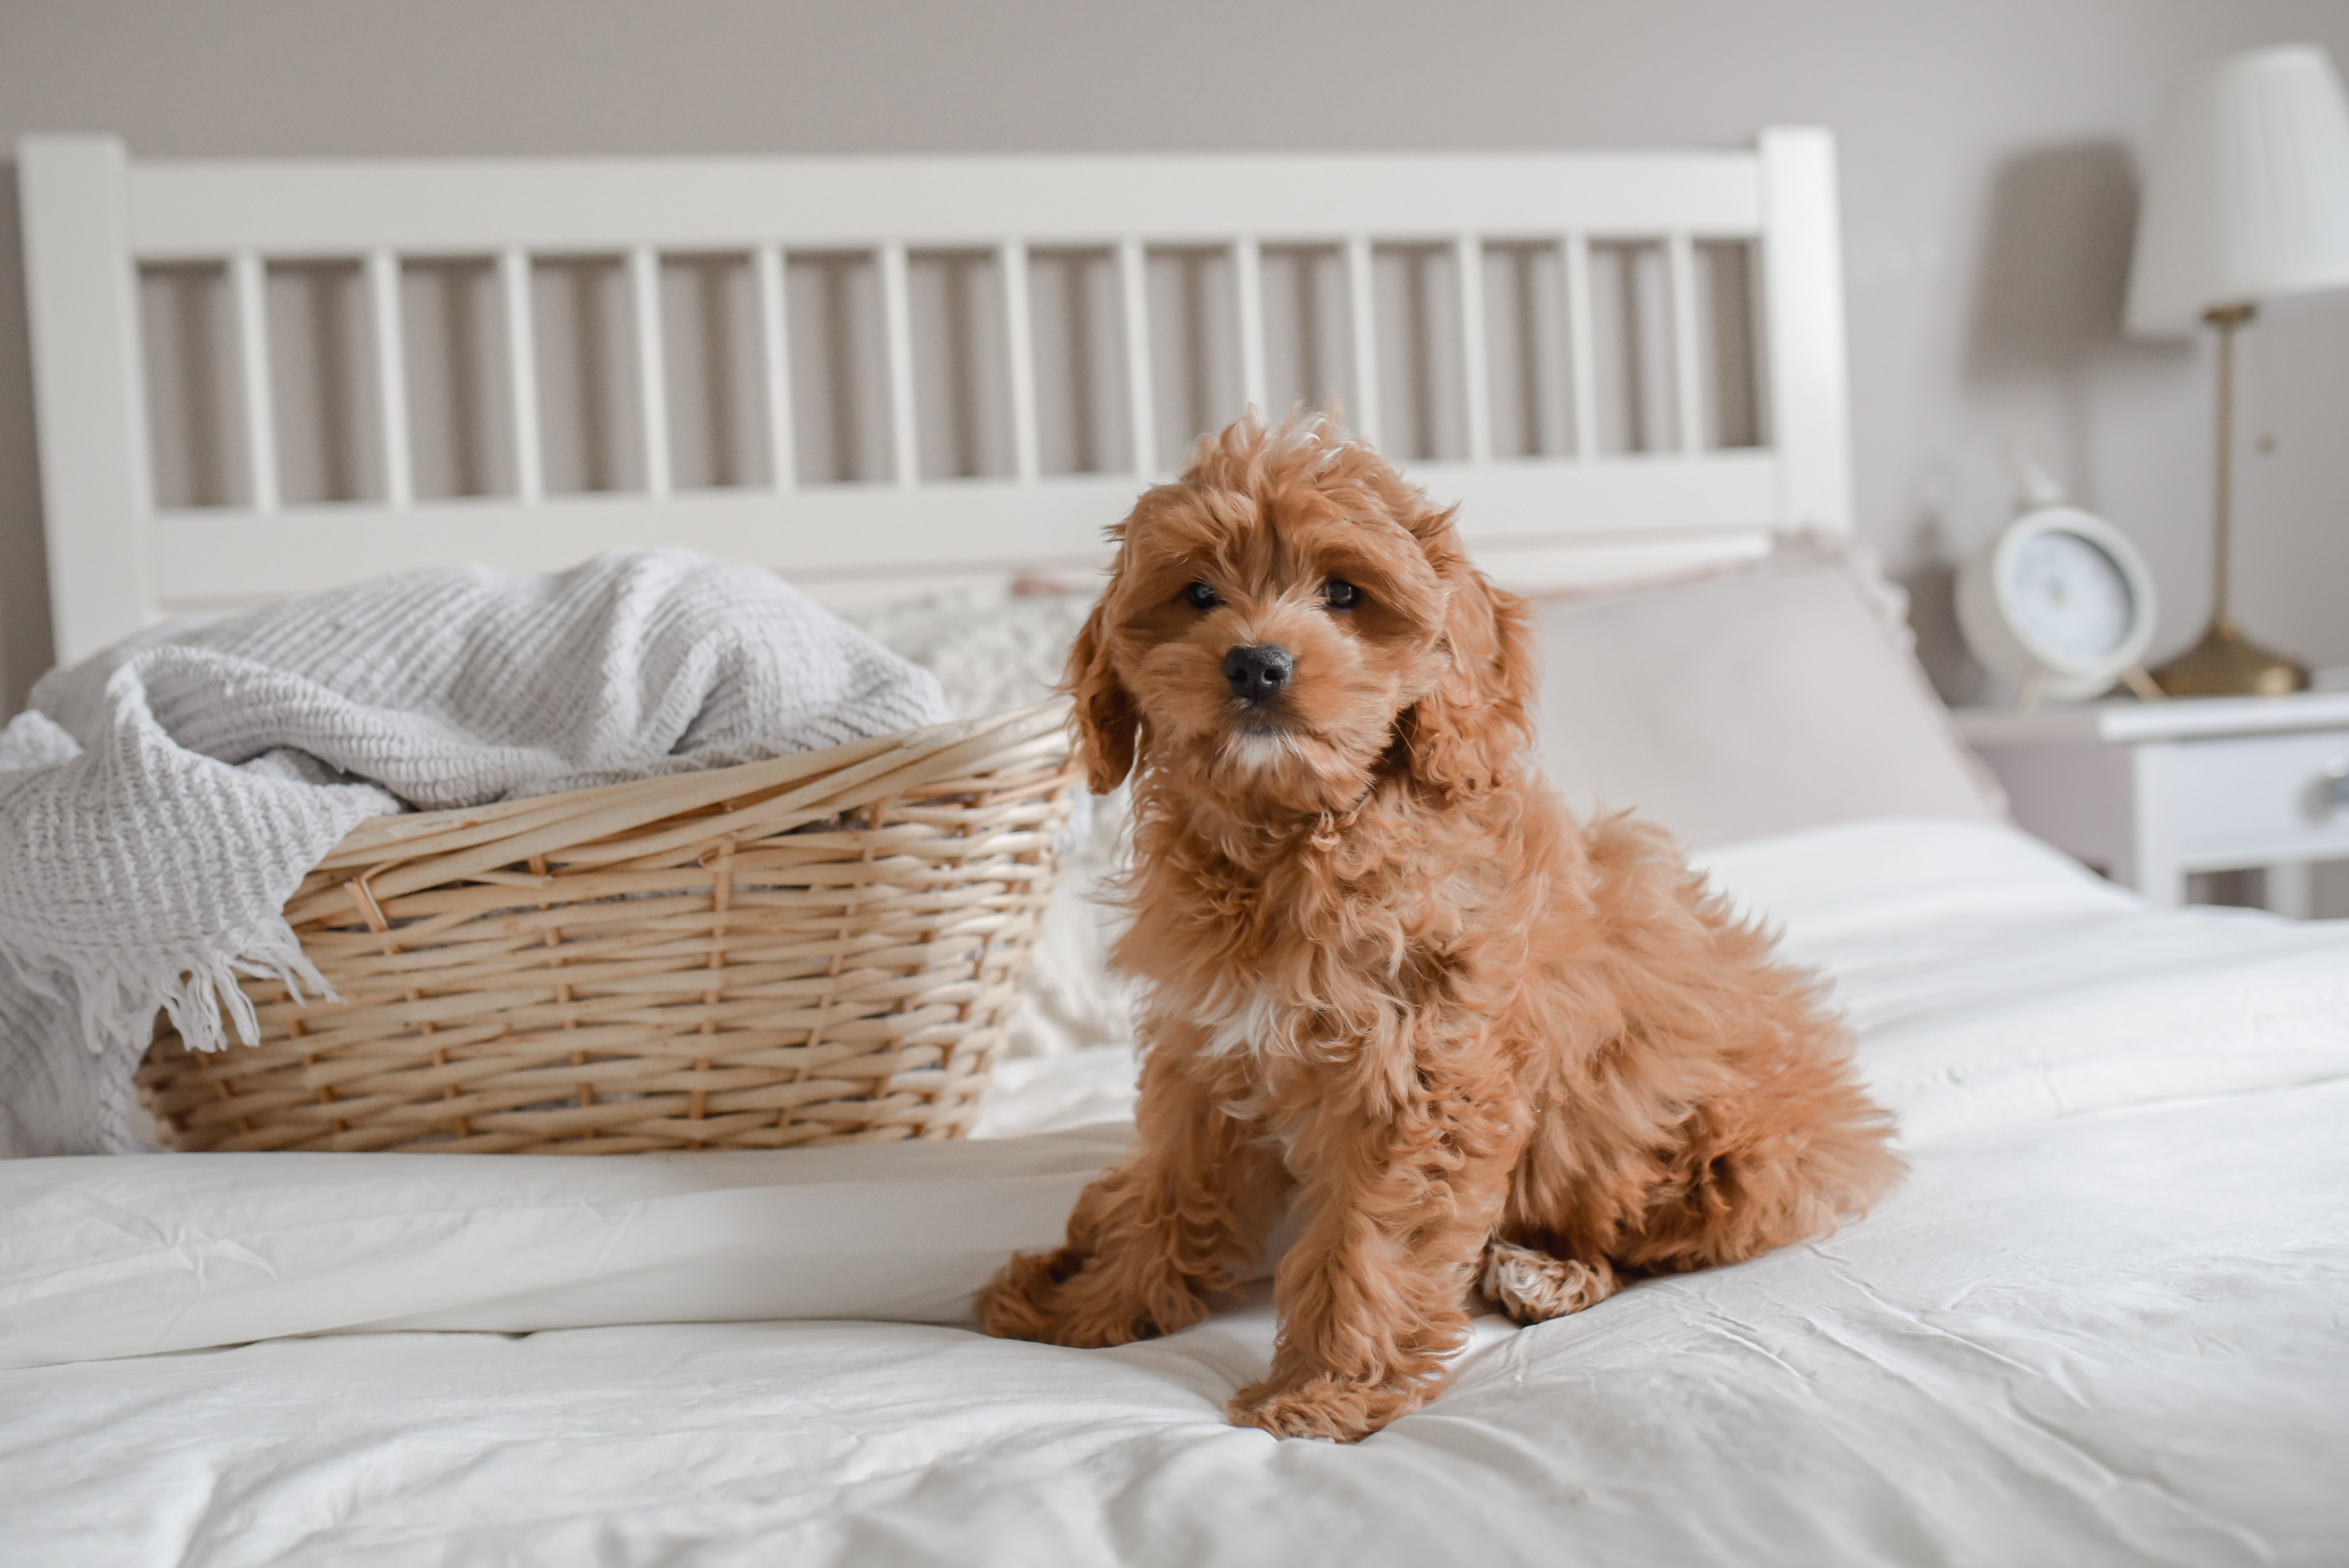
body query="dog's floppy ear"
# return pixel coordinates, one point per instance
(1106, 718)
(1462, 735)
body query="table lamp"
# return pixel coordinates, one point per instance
(2247, 200)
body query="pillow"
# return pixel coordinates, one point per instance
(991, 650)
(1762, 699)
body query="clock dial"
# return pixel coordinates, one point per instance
(2072, 600)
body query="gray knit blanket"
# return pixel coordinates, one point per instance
(160, 802)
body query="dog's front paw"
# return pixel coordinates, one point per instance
(1022, 1302)
(1323, 1406)
(1067, 1298)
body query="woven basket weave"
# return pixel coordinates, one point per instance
(818, 949)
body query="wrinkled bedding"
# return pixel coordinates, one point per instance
(2106, 1319)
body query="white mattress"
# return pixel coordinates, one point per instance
(2105, 1320)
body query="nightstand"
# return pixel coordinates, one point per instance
(2148, 791)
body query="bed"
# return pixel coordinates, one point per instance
(2101, 1321)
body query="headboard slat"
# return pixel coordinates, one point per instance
(521, 371)
(1133, 297)
(1687, 380)
(1011, 260)
(1364, 322)
(1247, 274)
(1468, 254)
(898, 319)
(390, 376)
(248, 287)
(652, 366)
(775, 363)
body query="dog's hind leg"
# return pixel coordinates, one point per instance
(1773, 1163)
(1531, 1287)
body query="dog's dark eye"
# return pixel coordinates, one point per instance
(1202, 597)
(1341, 594)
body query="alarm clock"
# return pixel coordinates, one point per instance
(2059, 605)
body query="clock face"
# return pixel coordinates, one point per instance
(2071, 600)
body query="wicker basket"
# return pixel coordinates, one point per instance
(818, 949)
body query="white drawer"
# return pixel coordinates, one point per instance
(2252, 790)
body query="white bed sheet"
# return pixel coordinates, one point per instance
(2105, 1320)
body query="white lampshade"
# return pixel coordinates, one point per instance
(2248, 197)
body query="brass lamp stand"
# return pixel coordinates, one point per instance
(2225, 663)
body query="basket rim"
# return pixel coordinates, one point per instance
(405, 834)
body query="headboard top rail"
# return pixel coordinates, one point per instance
(297, 207)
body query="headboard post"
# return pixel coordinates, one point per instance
(87, 389)
(1803, 279)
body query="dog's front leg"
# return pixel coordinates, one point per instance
(1374, 1294)
(1154, 1240)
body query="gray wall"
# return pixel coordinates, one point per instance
(1989, 189)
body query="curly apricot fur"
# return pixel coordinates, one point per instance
(1390, 978)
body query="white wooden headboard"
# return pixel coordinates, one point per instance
(94, 218)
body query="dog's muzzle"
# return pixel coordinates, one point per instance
(1257, 675)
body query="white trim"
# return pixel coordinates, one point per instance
(2179, 719)
(211, 556)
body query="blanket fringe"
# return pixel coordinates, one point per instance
(204, 1002)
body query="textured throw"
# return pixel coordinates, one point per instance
(159, 803)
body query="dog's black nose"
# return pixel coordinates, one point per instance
(1258, 674)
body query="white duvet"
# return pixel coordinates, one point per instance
(2106, 1319)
